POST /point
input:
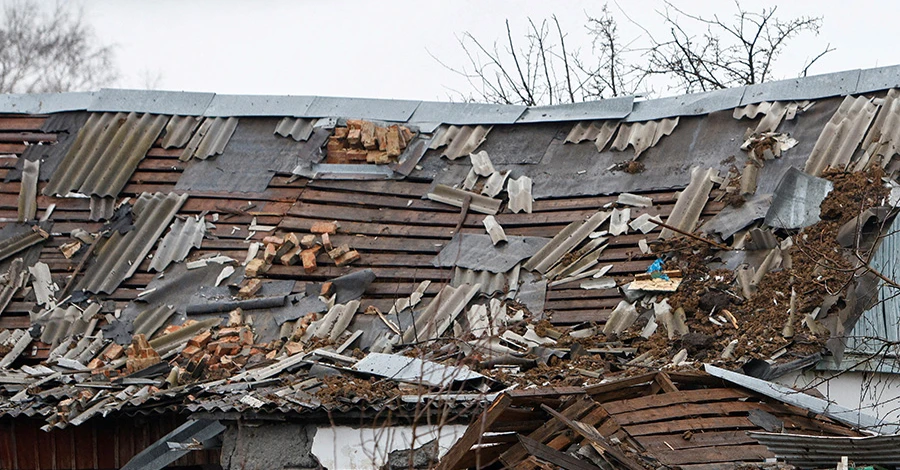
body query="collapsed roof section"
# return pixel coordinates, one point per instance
(305, 255)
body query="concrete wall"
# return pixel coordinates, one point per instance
(306, 447)
(874, 393)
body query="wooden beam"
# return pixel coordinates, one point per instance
(554, 456)
(473, 433)
(598, 442)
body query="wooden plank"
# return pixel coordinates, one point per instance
(688, 409)
(554, 456)
(715, 423)
(484, 456)
(599, 442)
(666, 442)
(21, 123)
(473, 434)
(6, 148)
(16, 137)
(397, 188)
(708, 455)
(668, 399)
(574, 317)
(313, 195)
(550, 427)
(600, 389)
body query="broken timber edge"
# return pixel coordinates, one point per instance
(474, 433)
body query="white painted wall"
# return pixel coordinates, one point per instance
(345, 447)
(873, 393)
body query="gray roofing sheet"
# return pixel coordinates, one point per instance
(183, 235)
(883, 137)
(17, 237)
(106, 152)
(610, 108)
(253, 155)
(474, 251)
(258, 105)
(807, 88)
(823, 451)
(298, 129)
(66, 127)
(466, 113)
(842, 135)
(694, 104)
(182, 103)
(362, 108)
(120, 255)
(45, 103)
(179, 130)
(210, 139)
(880, 78)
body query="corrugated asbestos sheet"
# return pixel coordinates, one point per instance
(210, 139)
(690, 203)
(600, 132)
(643, 135)
(880, 324)
(610, 108)
(11, 281)
(120, 255)
(183, 235)
(179, 131)
(459, 140)
(489, 282)
(883, 138)
(298, 129)
(181, 103)
(823, 451)
(686, 105)
(28, 190)
(102, 208)
(106, 152)
(17, 243)
(842, 135)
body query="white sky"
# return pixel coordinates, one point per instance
(381, 48)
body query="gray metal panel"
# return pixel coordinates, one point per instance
(159, 454)
(694, 104)
(610, 108)
(797, 200)
(106, 152)
(362, 108)
(880, 78)
(182, 103)
(807, 88)
(45, 103)
(881, 323)
(120, 255)
(475, 251)
(413, 370)
(823, 451)
(258, 105)
(466, 113)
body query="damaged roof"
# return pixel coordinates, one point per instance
(202, 253)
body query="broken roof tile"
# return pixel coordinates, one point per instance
(842, 135)
(183, 235)
(28, 191)
(298, 129)
(179, 131)
(457, 198)
(643, 135)
(106, 152)
(690, 202)
(519, 190)
(210, 138)
(459, 140)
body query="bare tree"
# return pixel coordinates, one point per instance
(542, 68)
(727, 53)
(50, 49)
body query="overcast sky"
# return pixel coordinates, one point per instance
(383, 48)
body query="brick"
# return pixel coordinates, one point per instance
(228, 331)
(326, 242)
(275, 240)
(406, 133)
(291, 257)
(292, 239)
(246, 337)
(236, 317)
(339, 251)
(357, 155)
(378, 157)
(340, 133)
(337, 156)
(172, 329)
(367, 135)
(327, 289)
(308, 241)
(324, 227)
(393, 141)
(347, 258)
(223, 349)
(272, 354)
(353, 137)
(354, 124)
(249, 288)
(113, 352)
(269, 254)
(95, 363)
(190, 351)
(201, 340)
(309, 260)
(381, 137)
(256, 267)
(293, 347)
